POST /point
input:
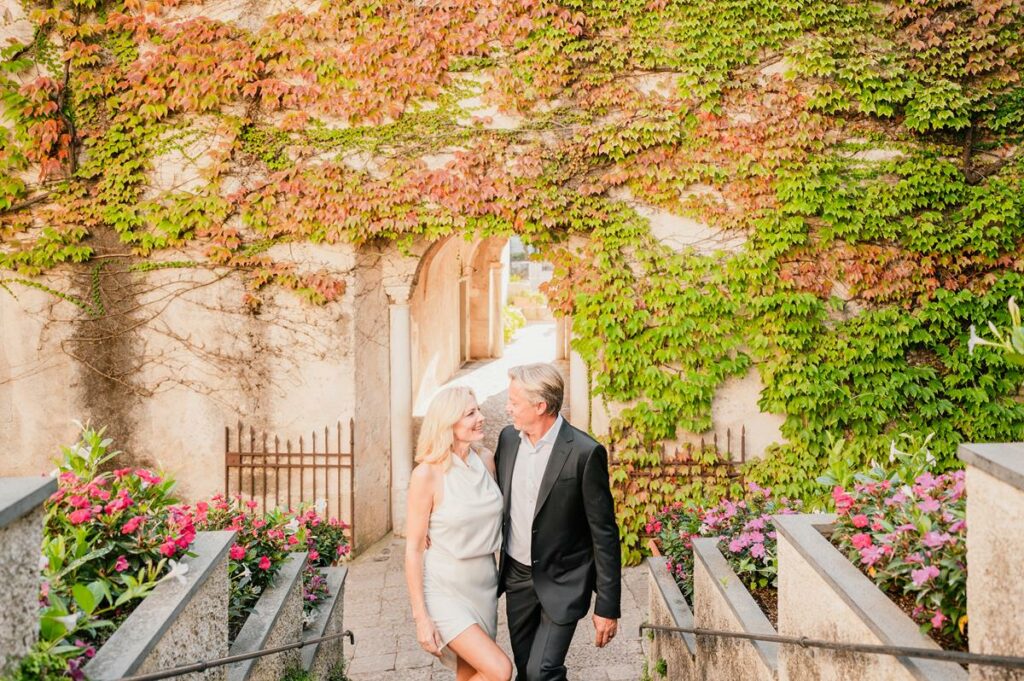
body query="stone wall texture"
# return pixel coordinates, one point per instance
(19, 583)
(669, 609)
(995, 549)
(275, 620)
(847, 607)
(721, 601)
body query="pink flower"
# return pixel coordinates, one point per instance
(237, 552)
(924, 574)
(343, 549)
(264, 563)
(861, 540)
(168, 548)
(292, 540)
(859, 520)
(78, 501)
(737, 545)
(842, 500)
(314, 555)
(757, 551)
(251, 504)
(80, 516)
(121, 472)
(934, 540)
(928, 505)
(937, 619)
(871, 554)
(121, 565)
(957, 526)
(132, 524)
(147, 476)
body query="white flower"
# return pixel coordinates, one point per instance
(973, 341)
(874, 464)
(69, 621)
(43, 563)
(177, 571)
(893, 451)
(929, 458)
(320, 505)
(55, 472)
(246, 572)
(292, 526)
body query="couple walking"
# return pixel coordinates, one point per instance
(541, 502)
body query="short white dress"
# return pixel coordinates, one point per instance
(460, 577)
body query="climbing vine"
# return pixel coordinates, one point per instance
(865, 158)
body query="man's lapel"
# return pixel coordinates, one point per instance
(508, 467)
(559, 454)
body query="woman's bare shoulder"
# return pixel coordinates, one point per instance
(425, 473)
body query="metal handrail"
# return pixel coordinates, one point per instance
(208, 664)
(1003, 661)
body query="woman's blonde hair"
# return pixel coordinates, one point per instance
(437, 436)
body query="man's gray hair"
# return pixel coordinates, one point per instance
(542, 383)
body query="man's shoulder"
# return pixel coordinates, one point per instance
(583, 440)
(508, 431)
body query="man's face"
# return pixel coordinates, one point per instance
(524, 415)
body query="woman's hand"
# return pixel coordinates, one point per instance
(427, 635)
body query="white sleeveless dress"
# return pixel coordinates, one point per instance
(460, 578)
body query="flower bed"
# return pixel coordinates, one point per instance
(264, 542)
(109, 538)
(910, 539)
(746, 538)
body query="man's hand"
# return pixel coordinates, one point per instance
(606, 630)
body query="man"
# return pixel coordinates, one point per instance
(560, 540)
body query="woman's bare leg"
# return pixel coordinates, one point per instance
(479, 653)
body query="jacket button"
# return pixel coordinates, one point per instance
(536, 562)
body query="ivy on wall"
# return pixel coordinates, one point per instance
(878, 185)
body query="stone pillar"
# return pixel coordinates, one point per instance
(401, 402)
(579, 392)
(497, 309)
(560, 325)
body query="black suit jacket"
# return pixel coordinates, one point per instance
(575, 546)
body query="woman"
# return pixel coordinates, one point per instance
(452, 578)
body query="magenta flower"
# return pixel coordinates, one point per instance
(925, 574)
(937, 619)
(132, 524)
(168, 548)
(871, 554)
(264, 563)
(237, 552)
(121, 565)
(860, 520)
(80, 516)
(861, 540)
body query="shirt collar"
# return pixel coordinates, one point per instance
(549, 437)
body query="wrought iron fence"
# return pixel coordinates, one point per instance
(258, 468)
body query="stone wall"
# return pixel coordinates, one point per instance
(995, 550)
(21, 535)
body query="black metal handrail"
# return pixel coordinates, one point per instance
(1003, 661)
(208, 664)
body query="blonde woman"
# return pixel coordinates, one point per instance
(453, 579)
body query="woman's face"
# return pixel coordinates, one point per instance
(470, 428)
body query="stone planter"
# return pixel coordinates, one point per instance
(177, 623)
(319, 658)
(21, 535)
(720, 601)
(847, 607)
(275, 620)
(667, 607)
(995, 552)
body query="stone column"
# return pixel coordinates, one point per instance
(579, 392)
(497, 309)
(401, 402)
(560, 325)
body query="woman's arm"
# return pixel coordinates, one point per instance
(418, 508)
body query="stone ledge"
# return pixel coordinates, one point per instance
(887, 624)
(262, 628)
(19, 496)
(744, 610)
(127, 651)
(678, 609)
(1002, 460)
(328, 621)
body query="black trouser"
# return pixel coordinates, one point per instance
(538, 644)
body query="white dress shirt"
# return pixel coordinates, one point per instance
(531, 461)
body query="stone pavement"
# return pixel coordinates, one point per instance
(378, 614)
